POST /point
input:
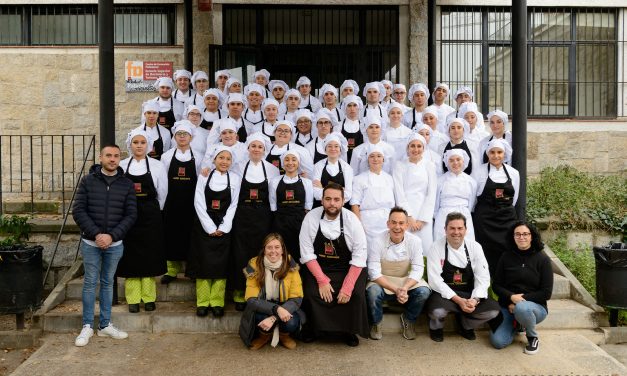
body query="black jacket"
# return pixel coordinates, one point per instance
(523, 272)
(105, 209)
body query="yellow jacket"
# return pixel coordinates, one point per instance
(291, 287)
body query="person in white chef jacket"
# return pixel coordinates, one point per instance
(325, 124)
(183, 91)
(160, 135)
(200, 83)
(282, 142)
(418, 96)
(374, 92)
(439, 95)
(396, 133)
(333, 169)
(170, 110)
(373, 131)
(429, 154)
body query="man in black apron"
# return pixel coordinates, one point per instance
(333, 247)
(307, 101)
(459, 277)
(183, 91)
(350, 125)
(170, 110)
(162, 136)
(418, 96)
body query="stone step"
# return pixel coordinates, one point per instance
(184, 290)
(180, 317)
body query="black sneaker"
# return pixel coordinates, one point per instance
(240, 306)
(217, 311)
(469, 334)
(436, 334)
(532, 346)
(202, 311)
(351, 340)
(133, 308)
(150, 306)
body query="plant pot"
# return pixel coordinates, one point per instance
(21, 278)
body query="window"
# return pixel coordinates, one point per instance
(67, 25)
(572, 59)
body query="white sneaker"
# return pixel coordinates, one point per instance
(83, 339)
(113, 332)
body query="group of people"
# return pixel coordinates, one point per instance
(314, 211)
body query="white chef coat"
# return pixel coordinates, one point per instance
(182, 97)
(197, 100)
(306, 161)
(483, 145)
(310, 99)
(166, 136)
(397, 138)
(408, 118)
(359, 159)
(218, 183)
(158, 174)
(333, 169)
(374, 193)
(497, 176)
(274, 183)
(254, 173)
(455, 193)
(239, 153)
(382, 248)
(182, 156)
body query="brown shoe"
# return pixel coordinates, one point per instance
(261, 340)
(287, 341)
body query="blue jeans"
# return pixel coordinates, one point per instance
(527, 314)
(286, 327)
(375, 296)
(100, 265)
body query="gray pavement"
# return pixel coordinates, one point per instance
(561, 353)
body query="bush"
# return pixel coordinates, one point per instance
(13, 230)
(571, 199)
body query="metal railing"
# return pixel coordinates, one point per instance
(43, 167)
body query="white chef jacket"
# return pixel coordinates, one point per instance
(415, 186)
(166, 136)
(254, 173)
(158, 173)
(333, 169)
(306, 161)
(359, 159)
(181, 156)
(274, 183)
(218, 183)
(197, 100)
(382, 248)
(397, 138)
(497, 176)
(239, 153)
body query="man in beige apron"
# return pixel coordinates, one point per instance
(395, 268)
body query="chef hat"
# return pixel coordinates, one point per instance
(236, 97)
(292, 93)
(254, 87)
(269, 102)
(183, 126)
(375, 148)
(303, 81)
(420, 126)
(416, 136)
(395, 105)
(164, 81)
(500, 114)
(325, 89)
(337, 137)
(399, 86)
(502, 144)
(352, 99)
(372, 119)
(464, 89)
(262, 72)
(190, 108)
(258, 137)
(230, 83)
(387, 82)
(459, 152)
(441, 85)
(274, 83)
(413, 89)
(226, 124)
(219, 149)
(472, 107)
(284, 122)
(215, 92)
(324, 113)
(150, 106)
(223, 72)
(182, 73)
(293, 152)
(199, 75)
(139, 132)
(351, 83)
(461, 121)
(430, 110)
(378, 86)
(303, 113)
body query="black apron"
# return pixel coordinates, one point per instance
(275, 160)
(144, 251)
(271, 137)
(317, 156)
(209, 255)
(157, 145)
(493, 217)
(354, 139)
(241, 132)
(167, 119)
(179, 212)
(413, 118)
(333, 257)
(326, 178)
(308, 106)
(297, 141)
(290, 203)
(255, 123)
(463, 146)
(209, 124)
(252, 222)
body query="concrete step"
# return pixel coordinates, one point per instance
(184, 289)
(180, 317)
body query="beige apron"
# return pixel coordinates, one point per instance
(397, 272)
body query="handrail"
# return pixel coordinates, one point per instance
(66, 213)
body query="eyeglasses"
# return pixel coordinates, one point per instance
(399, 92)
(193, 114)
(324, 123)
(522, 234)
(281, 130)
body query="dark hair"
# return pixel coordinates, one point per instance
(453, 216)
(335, 186)
(285, 265)
(109, 146)
(536, 240)
(398, 209)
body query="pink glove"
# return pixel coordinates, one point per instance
(350, 279)
(317, 272)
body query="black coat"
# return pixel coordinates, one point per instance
(105, 209)
(523, 272)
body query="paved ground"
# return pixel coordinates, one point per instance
(561, 353)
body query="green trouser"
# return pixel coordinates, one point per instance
(174, 267)
(210, 292)
(140, 289)
(238, 296)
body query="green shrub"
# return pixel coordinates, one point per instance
(13, 230)
(571, 199)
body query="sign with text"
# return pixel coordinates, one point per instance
(141, 75)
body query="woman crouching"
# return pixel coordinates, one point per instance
(274, 291)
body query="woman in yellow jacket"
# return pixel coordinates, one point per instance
(274, 291)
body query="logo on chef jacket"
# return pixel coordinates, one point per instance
(499, 193)
(138, 187)
(329, 250)
(289, 194)
(215, 204)
(351, 142)
(253, 194)
(162, 120)
(181, 171)
(275, 163)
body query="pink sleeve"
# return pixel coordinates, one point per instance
(350, 279)
(316, 270)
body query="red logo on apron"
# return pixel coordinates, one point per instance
(498, 193)
(457, 277)
(289, 194)
(253, 194)
(162, 120)
(351, 142)
(328, 248)
(215, 204)
(181, 171)
(275, 163)
(138, 187)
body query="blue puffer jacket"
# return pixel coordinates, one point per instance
(104, 209)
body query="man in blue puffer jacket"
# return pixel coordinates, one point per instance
(105, 208)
